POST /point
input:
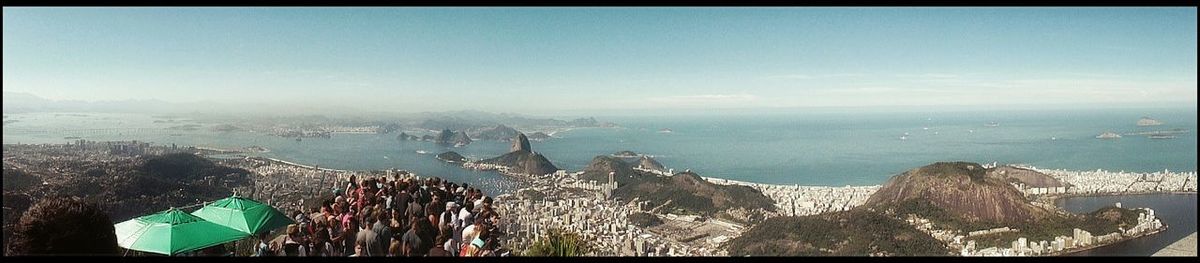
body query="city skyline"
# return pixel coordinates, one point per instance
(547, 59)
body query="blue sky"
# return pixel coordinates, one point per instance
(539, 59)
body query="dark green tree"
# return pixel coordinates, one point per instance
(559, 243)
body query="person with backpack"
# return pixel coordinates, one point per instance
(293, 244)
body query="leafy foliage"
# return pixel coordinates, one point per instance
(559, 243)
(1102, 221)
(850, 233)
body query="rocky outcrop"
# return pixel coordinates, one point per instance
(1028, 177)
(407, 137)
(499, 133)
(687, 192)
(960, 189)
(451, 157)
(649, 163)
(584, 122)
(448, 137)
(521, 159)
(539, 136)
(444, 137)
(524, 162)
(460, 138)
(521, 143)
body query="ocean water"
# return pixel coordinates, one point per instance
(831, 149)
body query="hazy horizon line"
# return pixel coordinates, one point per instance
(273, 109)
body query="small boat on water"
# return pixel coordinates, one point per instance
(422, 152)
(904, 137)
(992, 124)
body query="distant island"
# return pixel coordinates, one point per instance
(1147, 121)
(461, 130)
(225, 128)
(539, 136)
(451, 157)
(186, 127)
(1108, 135)
(498, 133)
(519, 160)
(626, 154)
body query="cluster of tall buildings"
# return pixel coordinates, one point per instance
(1078, 239)
(1107, 182)
(798, 200)
(588, 208)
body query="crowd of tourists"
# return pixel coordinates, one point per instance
(404, 216)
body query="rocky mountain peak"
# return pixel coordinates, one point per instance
(521, 143)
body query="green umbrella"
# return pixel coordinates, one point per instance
(244, 215)
(172, 232)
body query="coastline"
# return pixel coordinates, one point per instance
(1049, 197)
(302, 165)
(1052, 198)
(1068, 253)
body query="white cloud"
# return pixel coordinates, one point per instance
(816, 76)
(929, 76)
(705, 100)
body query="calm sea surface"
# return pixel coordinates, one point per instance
(831, 149)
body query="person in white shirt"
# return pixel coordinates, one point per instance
(450, 216)
(464, 219)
